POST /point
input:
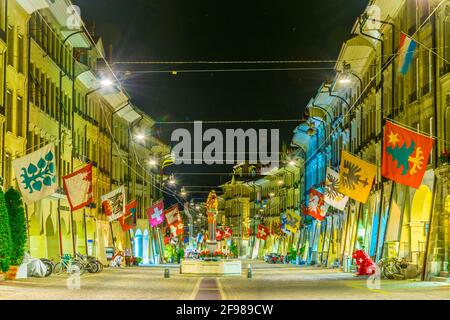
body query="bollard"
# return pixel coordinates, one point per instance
(166, 273)
(249, 272)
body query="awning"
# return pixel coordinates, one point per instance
(355, 50)
(128, 113)
(79, 40)
(88, 79)
(31, 6)
(70, 21)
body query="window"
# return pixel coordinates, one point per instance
(11, 46)
(9, 111)
(19, 116)
(21, 53)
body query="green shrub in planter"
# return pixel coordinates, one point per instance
(5, 235)
(17, 225)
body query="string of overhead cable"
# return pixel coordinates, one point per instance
(333, 131)
(224, 70)
(229, 121)
(250, 61)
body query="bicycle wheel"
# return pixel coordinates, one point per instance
(77, 267)
(100, 266)
(92, 267)
(59, 268)
(49, 266)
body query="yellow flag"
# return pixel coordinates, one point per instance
(356, 177)
(292, 221)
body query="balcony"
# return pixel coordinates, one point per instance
(412, 97)
(426, 89)
(444, 70)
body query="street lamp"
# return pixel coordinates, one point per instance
(140, 137)
(172, 180)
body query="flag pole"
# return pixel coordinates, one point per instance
(394, 185)
(85, 231)
(345, 234)
(74, 246)
(427, 247)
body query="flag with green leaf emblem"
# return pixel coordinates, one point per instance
(36, 174)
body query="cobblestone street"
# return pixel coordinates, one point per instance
(268, 283)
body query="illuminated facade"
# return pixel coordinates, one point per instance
(51, 92)
(396, 221)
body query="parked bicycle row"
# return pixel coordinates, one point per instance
(72, 264)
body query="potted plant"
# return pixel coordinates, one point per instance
(5, 234)
(137, 261)
(18, 229)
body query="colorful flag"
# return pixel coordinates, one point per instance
(177, 228)
(156, 213)
(357, 177)
(405, 155)
(406, 53)
(172, 215)
(78, 187)
(332, 196)
(113, 203)
(36, 174)
(200, 238)
(127, 221)
(317, 207)
(292, 223)
(167, 161)
(263, 232)
(227, 232)
(219, 234)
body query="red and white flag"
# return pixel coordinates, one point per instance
(263, 232)
(177, 228)
(227, 232)
(128, 220)
(219, 235)
(172, 215)
(78, 187)
(156, 213)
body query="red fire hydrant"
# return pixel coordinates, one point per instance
(366, 266)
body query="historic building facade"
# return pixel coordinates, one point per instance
(52, 92)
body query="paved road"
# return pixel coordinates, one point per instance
(268, 282)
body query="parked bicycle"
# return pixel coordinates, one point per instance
(50, 266)
(393, 266)
(68, 265)
(88, 265)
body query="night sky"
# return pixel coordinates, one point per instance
(164, 30)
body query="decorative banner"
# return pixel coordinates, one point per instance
(227, 232)
(127, 221)
(219, 235)
(200, 238)
(406, 53)
(292, 223)
(356, 177)
(172, 215)
(317, 208)
(113, 203)
(283, 222)
(78, 187)
(332, 196)
(263, 232)
(177, 228)
(156, 213)
(405, 155)
(36, 174)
